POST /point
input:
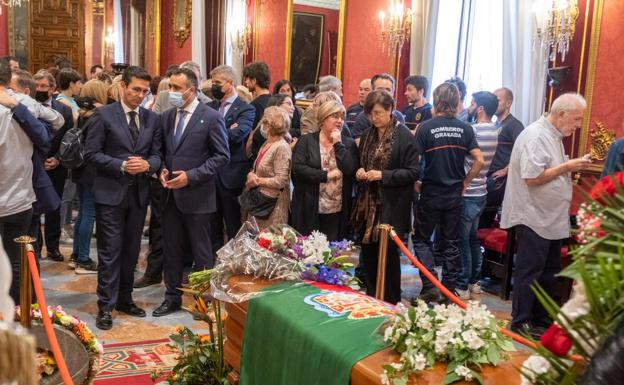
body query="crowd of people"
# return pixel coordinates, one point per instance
(207, 154)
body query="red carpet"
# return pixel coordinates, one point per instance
(132, 363)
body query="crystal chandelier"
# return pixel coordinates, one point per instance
(555, 23)
(11, 3)
(396, 30)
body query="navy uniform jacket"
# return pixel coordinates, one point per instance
(203, 150)
(243, 114)
(109, 143)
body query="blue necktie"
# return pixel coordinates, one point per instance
(179, 128)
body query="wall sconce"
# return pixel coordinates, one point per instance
(241, 39)
(554, 25)
(396, 30)
(11, 4)
(109, 44)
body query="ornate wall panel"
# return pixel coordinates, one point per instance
(57, 27)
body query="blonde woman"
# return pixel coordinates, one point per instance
(324, 166)
(309, 122)
(271, 169)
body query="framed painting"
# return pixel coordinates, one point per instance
(306, 48)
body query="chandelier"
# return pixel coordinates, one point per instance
(11, 3)
(396, 30)
(555, 23)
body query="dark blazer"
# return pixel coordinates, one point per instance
(307, 176)
(109, 143)
(398, 180)
(55, 142)
(234, 175)
(202, 152)
(40, 134)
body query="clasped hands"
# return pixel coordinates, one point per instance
(252, 181)
(368, 176)
(180, 179)
(136, 165)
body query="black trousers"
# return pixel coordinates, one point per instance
(119, 231)
(370, 255)
(155, 257)
(184, 234)
(496, 193)
(537, 261)
(440, 215)
(52, 229)
(329, 224)
(228, 213)
(11, 227)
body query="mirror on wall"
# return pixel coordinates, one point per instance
(314, 40)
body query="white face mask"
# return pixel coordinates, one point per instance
(175, 98)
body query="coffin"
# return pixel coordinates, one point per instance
(365, 372)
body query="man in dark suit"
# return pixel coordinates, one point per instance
(46, 86)
(195, 148)
(239, 117)
(123, 145)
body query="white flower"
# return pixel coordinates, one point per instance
(577, 305)
(473, 341)
(384, 378)
(463, 371)
(418, 361)
(387, 333)
(533, 367)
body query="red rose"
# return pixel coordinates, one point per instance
(556, 340)
(264, 243)
(606, 188)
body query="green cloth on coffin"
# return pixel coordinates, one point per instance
(307, 335)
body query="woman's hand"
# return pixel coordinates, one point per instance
(361, 175)
(334, 174)
(373, 175)
(252, 181)
(335, 136)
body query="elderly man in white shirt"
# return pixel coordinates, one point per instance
(537, 201)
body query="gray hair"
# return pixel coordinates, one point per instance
(225, 71)
(568, 102)
(41, 74)
(193, 67)
(329, 83)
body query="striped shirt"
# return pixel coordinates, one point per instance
(487, 138)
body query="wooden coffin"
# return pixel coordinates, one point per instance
(368, 370)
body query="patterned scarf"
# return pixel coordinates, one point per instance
(375, 155)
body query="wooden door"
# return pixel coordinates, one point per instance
(57, 27)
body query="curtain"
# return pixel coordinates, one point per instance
(524, 67)
(136, 37)
(119, 35)
(235, 17)
(198, 31)
(422, 40)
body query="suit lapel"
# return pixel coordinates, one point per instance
(171, 129)
(316, 151)
(232, 110)
(123, 123)
(192, 121)
(142, 126)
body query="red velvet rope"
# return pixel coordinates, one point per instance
(47, 322)
(451, 296)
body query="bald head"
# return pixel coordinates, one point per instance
(505, 100)
(364, 90)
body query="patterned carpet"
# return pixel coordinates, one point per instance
(132, 363)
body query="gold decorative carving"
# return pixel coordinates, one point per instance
(182, 14)
(601, 140)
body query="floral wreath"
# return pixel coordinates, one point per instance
(78, 328)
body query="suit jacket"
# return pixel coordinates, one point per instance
(233, 176)
(66, 112)
(202, 152)
(307, 175)
(39, 133)
(109, 143)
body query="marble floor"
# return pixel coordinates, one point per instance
(76, 294)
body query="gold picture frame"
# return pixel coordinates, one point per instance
(182, 14)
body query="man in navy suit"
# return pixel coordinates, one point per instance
(195, 148)
(123, 145)
(239, 117)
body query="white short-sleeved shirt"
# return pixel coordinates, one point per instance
(545, 208)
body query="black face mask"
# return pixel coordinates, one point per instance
(42, 96)
(110, 101)
(217, 92)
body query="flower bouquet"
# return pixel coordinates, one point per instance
(78, 328)
(465, 339)
(587, 323)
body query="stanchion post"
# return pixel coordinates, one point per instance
(384, 231)
(25, 291)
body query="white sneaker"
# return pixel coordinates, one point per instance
(476, 288)
(463, 294)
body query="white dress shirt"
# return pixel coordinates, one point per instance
(38, 110)
(127, 111)
(190, 109)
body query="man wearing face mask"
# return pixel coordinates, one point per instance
(195, 149)
(123, 145)
(46, 86)
(239, 117)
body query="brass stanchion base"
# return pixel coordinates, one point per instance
(25, 291)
